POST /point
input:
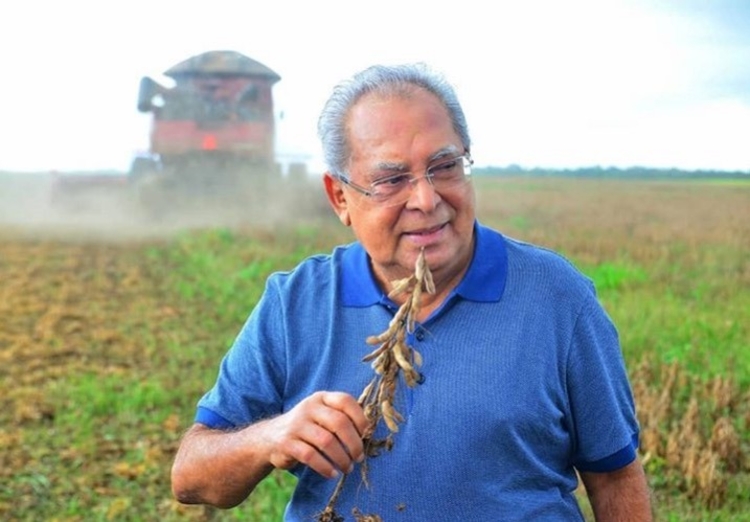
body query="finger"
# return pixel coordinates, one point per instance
(308, 455)
(341, 426)
(328, 445)
(349, 406)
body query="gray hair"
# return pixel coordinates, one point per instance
(384, 80)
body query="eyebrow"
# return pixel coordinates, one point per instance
(446, 152)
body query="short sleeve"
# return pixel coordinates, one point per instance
(605, 427)
(250, 381)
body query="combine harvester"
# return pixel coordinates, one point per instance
(211, 142)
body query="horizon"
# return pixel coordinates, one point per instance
(482, 170)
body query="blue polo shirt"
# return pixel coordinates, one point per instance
(524, 381)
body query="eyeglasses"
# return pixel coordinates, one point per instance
(396, 190)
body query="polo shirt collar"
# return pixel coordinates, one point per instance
(358, 285)
(484, 281)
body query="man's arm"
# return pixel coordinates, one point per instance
(619, 496)
(222, 468)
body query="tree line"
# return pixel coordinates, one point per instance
(610, 172)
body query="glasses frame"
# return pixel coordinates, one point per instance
(370, 192)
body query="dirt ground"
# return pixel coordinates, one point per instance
(79, 295)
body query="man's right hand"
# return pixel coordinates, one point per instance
(222, 468)
(324, 432)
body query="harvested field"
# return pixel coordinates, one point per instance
(109, 335)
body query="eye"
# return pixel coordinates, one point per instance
(391, 181)
(444, 168)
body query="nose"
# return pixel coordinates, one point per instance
(423, 195)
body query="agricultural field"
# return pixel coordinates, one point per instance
(108, 339)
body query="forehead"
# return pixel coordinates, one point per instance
(406, 126)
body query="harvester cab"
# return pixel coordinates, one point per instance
(212, 132)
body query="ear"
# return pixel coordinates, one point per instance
(337, 198)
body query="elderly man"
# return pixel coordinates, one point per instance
(523, 382)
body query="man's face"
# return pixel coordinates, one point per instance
(405, 134)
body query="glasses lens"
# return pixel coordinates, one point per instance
(392, 187)
(450, 172)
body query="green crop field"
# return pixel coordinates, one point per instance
(106, 345)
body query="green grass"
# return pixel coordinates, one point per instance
(609, 277)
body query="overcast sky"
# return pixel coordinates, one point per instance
(544, 82)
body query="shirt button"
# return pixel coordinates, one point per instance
(420, 335)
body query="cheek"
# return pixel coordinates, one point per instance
(464, 203)
(383, 225)
(376, 227)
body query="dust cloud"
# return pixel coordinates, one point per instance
(40, 206)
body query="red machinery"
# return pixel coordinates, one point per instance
(220, 109)
(212, 134)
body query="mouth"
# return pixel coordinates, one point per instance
(424, 233)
